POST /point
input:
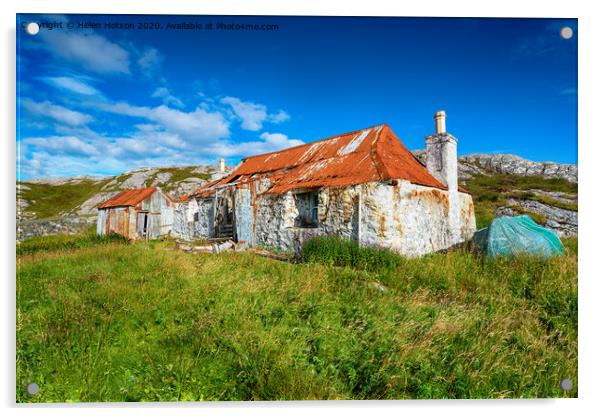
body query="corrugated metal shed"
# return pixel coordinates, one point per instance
(137, 214)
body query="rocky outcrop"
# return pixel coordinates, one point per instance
(470, 165)
(68, 180)
(562, 221)
(515, 165)
(27, 228)
(89, 206)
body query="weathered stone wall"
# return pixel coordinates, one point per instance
(274, 220)
(276, 214)
(203, 227)
(183, 225)
(338, 212)
(193, 219)
(244, 219)
(411, 219)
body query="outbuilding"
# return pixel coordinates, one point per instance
(139, 214)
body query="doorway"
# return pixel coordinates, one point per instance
(142, 224)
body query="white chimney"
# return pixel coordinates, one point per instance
(442, 163)
(440, 122)
(222, 165)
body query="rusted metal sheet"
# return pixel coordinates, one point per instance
(131, 197)
(114, 220)
(368, 155)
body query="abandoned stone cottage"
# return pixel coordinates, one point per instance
(139, 214)
(363, 185)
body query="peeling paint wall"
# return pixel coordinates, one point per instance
(407, 218)
(411, 219)
(184, 219)
(274, 218)
(276, 214)
(243, 215)
(203, 226)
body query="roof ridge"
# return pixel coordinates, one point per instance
(316, 141)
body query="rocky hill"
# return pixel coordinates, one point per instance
(65, 205)
(500, 185)
(510, 185)
(475, 164)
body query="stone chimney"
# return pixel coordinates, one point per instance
(442, 163)
(222, 165)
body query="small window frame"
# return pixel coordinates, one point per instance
(311, 202)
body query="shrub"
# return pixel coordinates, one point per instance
(336, 251)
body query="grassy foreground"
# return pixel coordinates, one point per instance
(118, 322)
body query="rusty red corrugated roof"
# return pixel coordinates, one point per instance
(371, 154)
(131, 197)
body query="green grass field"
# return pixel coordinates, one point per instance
(140, 322)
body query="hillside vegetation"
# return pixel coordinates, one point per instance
(493, 191)
(138, 322)
(54, 198)
(51, 200)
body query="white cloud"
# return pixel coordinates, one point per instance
(150, 60)
(91, 51)
(72, 84)
(279, 117)
(57, 112)
(167, 97)
(271, 142)
(196, 126)
(252, 115)
(61, 145)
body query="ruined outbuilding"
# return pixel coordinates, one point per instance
(364, 185)
(138, 214)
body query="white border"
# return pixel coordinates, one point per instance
(590, 68)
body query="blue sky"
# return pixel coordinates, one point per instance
(103, 101)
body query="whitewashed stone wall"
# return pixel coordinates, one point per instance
(411, 219)
(274, 220)
(184, 219)
(204, 224)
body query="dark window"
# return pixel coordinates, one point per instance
(307, 207)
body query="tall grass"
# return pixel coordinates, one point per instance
(140, 322)
(332, 250)
(67, 242)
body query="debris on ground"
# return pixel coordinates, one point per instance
(213, 246)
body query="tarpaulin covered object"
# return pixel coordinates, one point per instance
(509, 236)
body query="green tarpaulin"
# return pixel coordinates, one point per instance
(508, 236)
